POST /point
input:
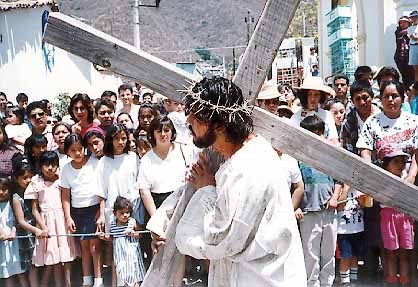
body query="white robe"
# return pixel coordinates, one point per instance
(245, 225)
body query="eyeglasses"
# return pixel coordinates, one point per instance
(40, 114)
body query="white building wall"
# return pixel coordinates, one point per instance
(376, 25)
(324, 6)
(22, 65)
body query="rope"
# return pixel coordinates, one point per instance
(80, 234)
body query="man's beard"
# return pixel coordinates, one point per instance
(205, 141)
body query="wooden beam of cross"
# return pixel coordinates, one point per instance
(121, 58)
(164, 78)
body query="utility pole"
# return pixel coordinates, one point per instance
(304, 24)
(233, 61)
(137, 41)
(249, 19)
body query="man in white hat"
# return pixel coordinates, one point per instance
(268, 98)
(311, 94)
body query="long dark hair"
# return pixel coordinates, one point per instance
(20, 165)
(219, 91)
(86, 102)
(32, 141)
(108, 149)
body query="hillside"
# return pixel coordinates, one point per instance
(181, 25)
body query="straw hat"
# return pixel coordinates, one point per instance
(316, 83)
(268, 91)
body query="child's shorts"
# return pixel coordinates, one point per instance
(85, 220)
(397, 229)
(350, 245)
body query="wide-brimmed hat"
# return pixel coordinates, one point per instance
(268, 91)
(316, 83)
(413, 14)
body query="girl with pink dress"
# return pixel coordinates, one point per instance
(49, 216)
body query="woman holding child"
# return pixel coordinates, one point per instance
(394, 129)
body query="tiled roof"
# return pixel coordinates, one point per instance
(15, 4)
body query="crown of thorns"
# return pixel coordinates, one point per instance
(206, 110)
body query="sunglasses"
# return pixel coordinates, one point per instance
(33, 116)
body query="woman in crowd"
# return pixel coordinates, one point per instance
(312, 94)
(168, 158)
(81, 112)
(147, 113)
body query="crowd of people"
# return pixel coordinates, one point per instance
(86, 185)
(372, 118)
(98, 174)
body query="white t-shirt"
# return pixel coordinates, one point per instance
(379, 130)
(351, 219)
(326, 116)
(81, 183)
(118, 176)
(134, 113)
(63, 158)
(163, 175)
(291, 166)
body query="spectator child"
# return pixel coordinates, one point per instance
(49, 216)
(82, 207)
(350, 239)
(35, 145)
(9, 247)
(127, 252)
(142, 144)
(337, 109)
(117, 172)
(94, 141)
(125, 119)
(319, 226)
(60, 131)
(397, 228)
(16, 129)
(22, 209)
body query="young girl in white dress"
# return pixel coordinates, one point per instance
(9, 246)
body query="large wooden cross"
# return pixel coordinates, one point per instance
(121, 58)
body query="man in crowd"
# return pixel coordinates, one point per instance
(126, 96)
(37, 115)
(341, 86)
(105, 112)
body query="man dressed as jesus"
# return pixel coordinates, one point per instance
(241, 218)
